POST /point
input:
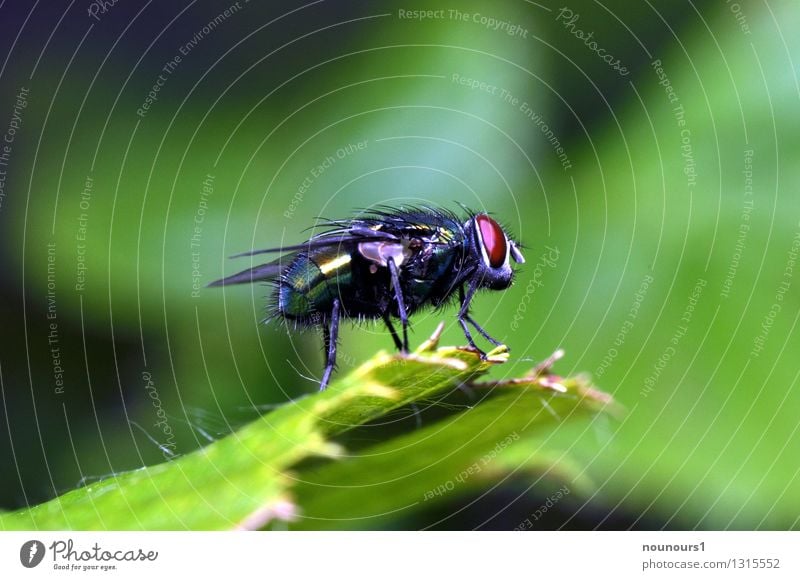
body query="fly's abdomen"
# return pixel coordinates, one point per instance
(311, 283)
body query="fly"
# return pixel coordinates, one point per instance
(386, 265)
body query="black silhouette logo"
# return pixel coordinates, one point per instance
(31, 553)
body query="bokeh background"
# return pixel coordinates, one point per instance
(645, 154)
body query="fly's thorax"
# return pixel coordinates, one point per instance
(412, 256)
(427, 266)
(380, 252)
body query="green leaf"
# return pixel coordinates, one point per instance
(244, 480)
(499, 437)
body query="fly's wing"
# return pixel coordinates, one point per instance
(255, 274)
(353, 232)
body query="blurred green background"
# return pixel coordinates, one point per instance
(646, 156)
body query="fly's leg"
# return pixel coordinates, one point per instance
(471, 342)
(397, 342)
(463, 315)
(401, 308)
(464, 318)
(484, 334)
(330, 335)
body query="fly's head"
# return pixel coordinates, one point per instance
(490, 251)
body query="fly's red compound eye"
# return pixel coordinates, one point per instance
(493, 239)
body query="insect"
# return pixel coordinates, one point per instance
(386, 264)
